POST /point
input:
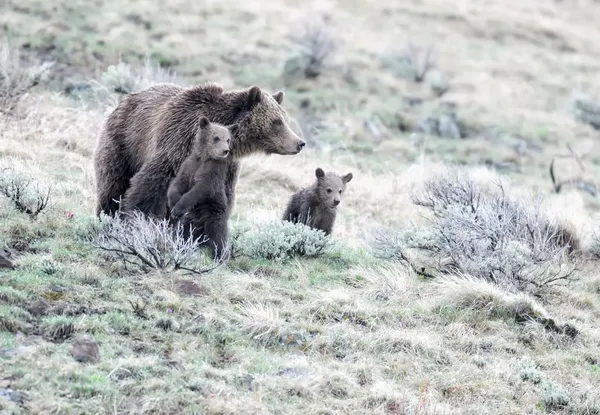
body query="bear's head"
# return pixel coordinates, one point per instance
(331, 187)
(213, 141)
(264, 125)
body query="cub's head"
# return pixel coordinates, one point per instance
(214, 140)
(331, 187)
(264, 124)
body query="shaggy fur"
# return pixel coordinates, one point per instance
(150, 133)
(197, 195)
(316, 206)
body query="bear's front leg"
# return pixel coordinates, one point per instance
(148, 190)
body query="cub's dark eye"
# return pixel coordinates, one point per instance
(277, 122)
(340, 192)
(329, 190)
(216, 139)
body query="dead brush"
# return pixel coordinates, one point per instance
(25, 194)
(315, 44)
(16, 80)
(147, 244)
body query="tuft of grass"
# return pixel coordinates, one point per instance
(58, 328)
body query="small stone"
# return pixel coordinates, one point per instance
(85, 350)
(188, 287)
(4, 261)
(12, 395)
(39, 308)
(447, 127)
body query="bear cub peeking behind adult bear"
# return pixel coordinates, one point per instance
(197, 196)
(316, 206)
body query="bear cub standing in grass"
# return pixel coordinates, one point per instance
(197, 195)
(316, 206)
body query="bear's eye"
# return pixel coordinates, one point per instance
(340, 192)
(278, 122)
(216, 139)
(329, 190)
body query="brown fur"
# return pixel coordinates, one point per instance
(316, 206)
(197, 195)
(150, 133)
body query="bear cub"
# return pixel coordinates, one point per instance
(316, 206)
(197, 195)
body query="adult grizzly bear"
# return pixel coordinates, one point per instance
(150, 133)
(197, 195)
(316, 206)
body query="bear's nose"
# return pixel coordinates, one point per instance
(336, 202)
(300, 145)
(225, 152)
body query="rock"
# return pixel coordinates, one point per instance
(428, 125)
(85, 350)
(4, 261)
(12, 395)
(448, 128)
(39, 308)
(188, 287)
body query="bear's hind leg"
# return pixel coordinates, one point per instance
(112, 174)
(148, 190)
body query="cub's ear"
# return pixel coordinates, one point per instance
(204, 122)
(279, 97)
(254, 96)
(347, 178)
(233, 129)
(319, 173)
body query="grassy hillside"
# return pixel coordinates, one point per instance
(442, 291)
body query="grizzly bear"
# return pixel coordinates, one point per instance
(150, 133)
(316, 206)
(197, 196)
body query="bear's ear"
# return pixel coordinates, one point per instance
(233, 129)
(319, 173)
(279, 97)
(347, 178)
(204, 122)
(254, 96)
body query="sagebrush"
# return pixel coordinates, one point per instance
(282, 240)
(148, 244)
(485, 232)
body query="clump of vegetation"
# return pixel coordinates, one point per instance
(282, 240)
(119, 80)
(125, 79)
(529, 372)
(314, 44)
(486, 233)
(16, 79)
(554, 396)
(587, 111)
(412, 62)
(148, 244)
(24, 193)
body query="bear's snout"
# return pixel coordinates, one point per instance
(301, 145)
(336, 202)
(225, 153)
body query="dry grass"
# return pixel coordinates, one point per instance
(343, 332)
